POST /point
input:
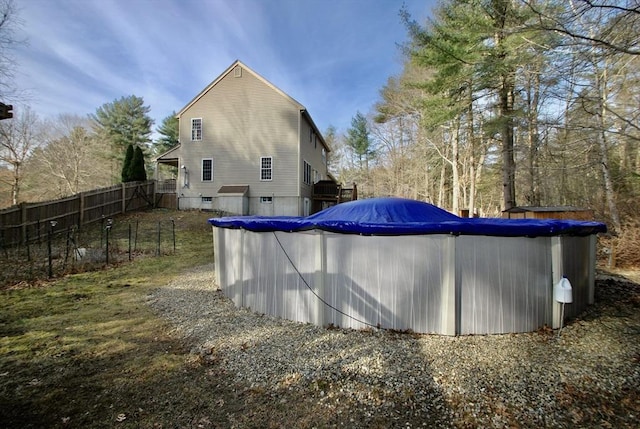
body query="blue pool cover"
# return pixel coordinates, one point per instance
(399, 216)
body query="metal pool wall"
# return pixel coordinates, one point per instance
(432, 283)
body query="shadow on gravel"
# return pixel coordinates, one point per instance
(277, 372)
(306, 376)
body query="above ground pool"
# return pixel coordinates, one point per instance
(406, 265)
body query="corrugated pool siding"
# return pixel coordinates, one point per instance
(504, 283)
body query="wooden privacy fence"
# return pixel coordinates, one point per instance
(28, 222)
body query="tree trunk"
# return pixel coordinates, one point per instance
(533, 140)
(441, 190)
(508, 161)
(15, 185)
(455, 173)
(505, 106)
(601, 83)
(472, 158)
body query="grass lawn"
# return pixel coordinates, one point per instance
(85, 350)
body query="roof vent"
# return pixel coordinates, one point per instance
(237, 72)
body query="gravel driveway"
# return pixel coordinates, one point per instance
(588, 376)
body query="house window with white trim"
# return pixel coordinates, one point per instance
(207, 170)
(266, 168)
(196, 129)
(307, 173)
(324, 156)
(266, 200)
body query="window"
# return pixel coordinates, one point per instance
(316, 176)
(196, 129)
(307, 173)
(310, 135)
(207, 199)
(266, 168)
(324, 156)
(207, 170)
(266, 200)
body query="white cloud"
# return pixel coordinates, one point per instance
(331, 55)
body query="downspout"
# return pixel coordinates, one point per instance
(299, 158)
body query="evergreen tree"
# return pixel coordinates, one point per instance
(169, 134)
(123, 122)
(477, 49)
(126, 166)
(137, 171)
(359, 141)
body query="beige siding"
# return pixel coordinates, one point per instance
(243, 119)
(310, 151)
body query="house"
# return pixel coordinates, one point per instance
(245, 148)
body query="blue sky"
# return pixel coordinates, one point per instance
(333, 56)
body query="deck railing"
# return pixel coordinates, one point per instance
(167, 186)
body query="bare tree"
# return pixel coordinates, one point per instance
(9, 24)
(19, 137)
(72, 160)
(616, 12)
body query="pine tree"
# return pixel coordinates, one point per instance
(168, 131)
(137, 172)
(359, 140)
(477, 49)
(123, 122)
(126, 166)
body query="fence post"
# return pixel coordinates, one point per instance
(108, 228)
(154, 185)
(101, 230)
(66, 253)
(49, 238)
(49, 253)
(129, 240)
(135, 238)
(2, 245)
(124, 197)
(81, 214)
(28, 248)
(23, 220)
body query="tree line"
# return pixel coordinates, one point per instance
(49, 159)
(505, 103)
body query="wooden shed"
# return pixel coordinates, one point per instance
(557, 212)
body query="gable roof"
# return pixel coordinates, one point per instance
(169, 154)
(303, 110)
(247, 69)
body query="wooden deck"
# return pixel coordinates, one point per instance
(327, 193)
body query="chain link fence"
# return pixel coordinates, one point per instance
(56, 251)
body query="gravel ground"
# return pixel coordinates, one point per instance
(588, 376)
